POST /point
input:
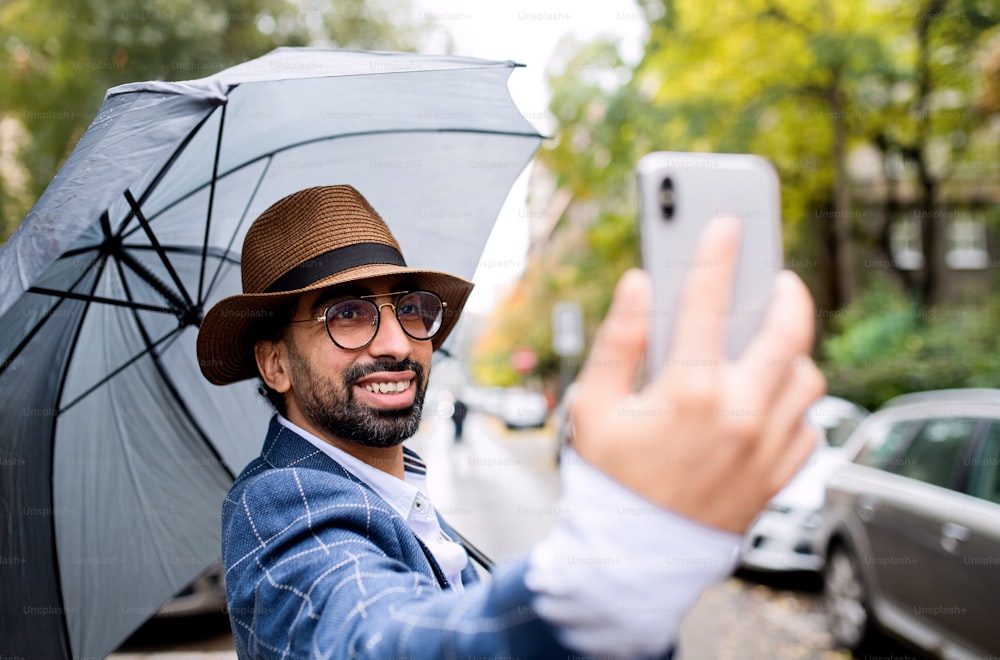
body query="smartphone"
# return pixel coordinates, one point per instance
(679, 193)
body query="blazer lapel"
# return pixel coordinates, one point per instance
(283, 448)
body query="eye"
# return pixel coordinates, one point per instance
(408, 309)
(350, 310)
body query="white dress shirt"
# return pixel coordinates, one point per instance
(618, 572)
(615, 575)
(408, 497)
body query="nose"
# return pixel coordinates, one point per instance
(390, 340)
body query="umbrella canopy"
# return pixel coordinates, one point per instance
(115, 453)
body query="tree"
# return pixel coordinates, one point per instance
(595, 238)
(61, 55)
(804, 84)
(934, 118)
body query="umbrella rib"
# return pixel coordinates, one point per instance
(170, 161)
(243, 217)
(78, 251)
(101, 264)
(155, 357)
(149, 348)
(211, 202)
(31, 333)
(296, 145)
(188, 414)
(72, 295)
(152, 280)
(156, 246)
(180, 199)
(217, 253)
(106, 224)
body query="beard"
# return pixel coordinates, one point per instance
(331, 406)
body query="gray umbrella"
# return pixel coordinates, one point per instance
(115, 454)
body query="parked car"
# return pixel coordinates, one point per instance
(484, 399)
(913, 527)
(205, 595)
(787, 536)
(523, 408)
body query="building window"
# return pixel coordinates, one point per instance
(904, 242)
(967, 243)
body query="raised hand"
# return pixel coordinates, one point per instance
(708, 438)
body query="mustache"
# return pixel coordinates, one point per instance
(358, 371)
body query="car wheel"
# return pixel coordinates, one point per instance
(848, 611)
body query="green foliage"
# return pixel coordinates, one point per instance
(801, 82)
(879, 322)
(582, 267)
(60, 56)
(886, 345)
(595, 240)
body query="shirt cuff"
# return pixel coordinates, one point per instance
(618, 572)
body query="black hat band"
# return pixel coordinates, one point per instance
(335, 261)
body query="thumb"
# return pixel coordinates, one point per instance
(620, 344)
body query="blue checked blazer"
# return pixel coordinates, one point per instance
(319, 566)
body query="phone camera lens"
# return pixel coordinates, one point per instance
(667, 198)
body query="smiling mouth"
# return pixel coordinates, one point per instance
(388, 387)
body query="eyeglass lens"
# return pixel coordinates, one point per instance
(353, 323)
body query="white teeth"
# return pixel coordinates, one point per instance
(386, 388)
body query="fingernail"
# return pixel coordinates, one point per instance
(785, 279)
(630, 282)
(631, 276)
(722, 228)
(724, 222)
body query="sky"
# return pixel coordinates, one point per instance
(528, 33)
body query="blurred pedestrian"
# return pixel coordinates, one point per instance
(458, 418)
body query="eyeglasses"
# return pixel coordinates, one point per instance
(352, 323)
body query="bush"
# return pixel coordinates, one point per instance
(885, 345)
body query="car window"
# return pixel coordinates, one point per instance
(884, 443)
(935, 454)
(985, 480)
(838, 434)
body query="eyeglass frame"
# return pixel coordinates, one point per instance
(378, 316)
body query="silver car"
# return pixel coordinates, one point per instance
(205, 595)
(522, 408)
(787, 535)
(913, 527)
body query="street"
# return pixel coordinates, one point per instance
(500, 489)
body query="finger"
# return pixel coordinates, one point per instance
(801, 444)
(619, 345)
(799, 448)
(706, 293)
(700, 322)
(785, 337)
(786, 419)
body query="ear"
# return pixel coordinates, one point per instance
(272, 362)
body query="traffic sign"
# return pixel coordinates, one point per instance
(523, 360)
(567, 329)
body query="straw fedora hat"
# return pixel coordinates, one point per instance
(311, 239)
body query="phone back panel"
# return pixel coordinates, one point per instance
(704, 186)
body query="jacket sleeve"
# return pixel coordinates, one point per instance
(319, 567)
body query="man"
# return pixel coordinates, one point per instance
(330, 543)
(458, 414)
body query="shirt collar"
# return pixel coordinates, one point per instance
(400, 494)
